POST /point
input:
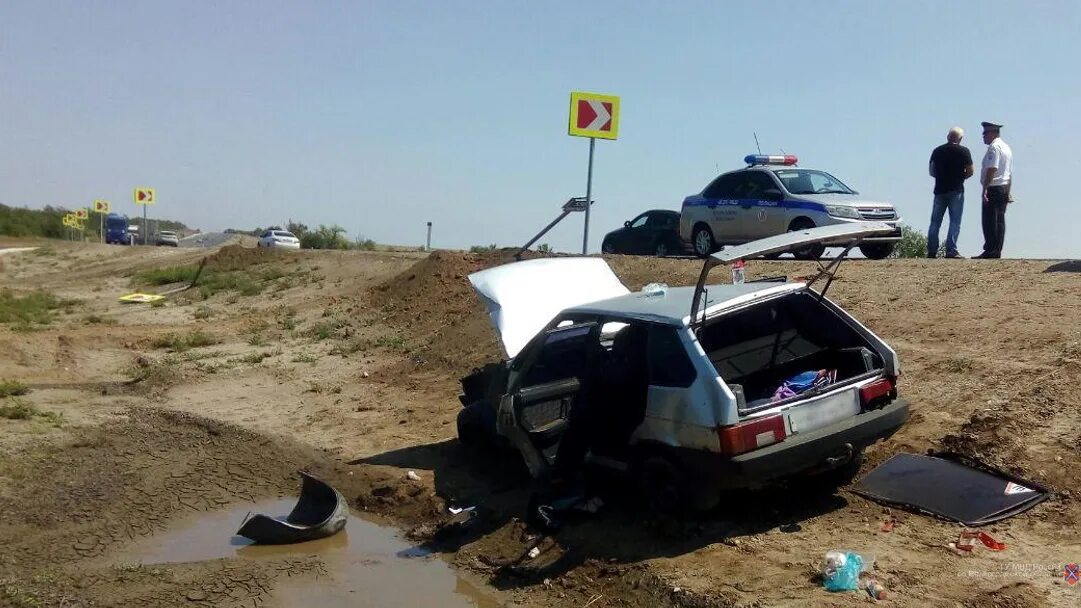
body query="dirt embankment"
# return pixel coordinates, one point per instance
(989, 354)
(346, 363)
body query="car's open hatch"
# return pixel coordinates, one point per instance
(838, 235)
(522, 297)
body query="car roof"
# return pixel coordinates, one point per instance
(673, 308)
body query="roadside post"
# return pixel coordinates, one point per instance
(428, 241)
(101, 207)
(592, 115)
(144, 196)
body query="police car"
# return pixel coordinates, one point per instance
(771, 196)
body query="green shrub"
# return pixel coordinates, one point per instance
(10, 388)
(17, 409)
(913, 244)
(178, 343)
(32, 308)
(166, 275)
(483, 248)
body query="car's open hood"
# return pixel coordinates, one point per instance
(846, 235)
(523, 297)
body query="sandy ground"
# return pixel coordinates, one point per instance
(346, 364)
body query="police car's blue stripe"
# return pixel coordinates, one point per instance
(694, 201)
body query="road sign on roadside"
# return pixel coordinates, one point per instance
(577, 203)
(144, 196)
(594, 115)
(69, 220)
(82, 214)
(101, 206)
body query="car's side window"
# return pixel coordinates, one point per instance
(722, 187)
(265, 234)
(669, 364)
(662, 220)
(563, 355)
(639, 221)
(757, 183)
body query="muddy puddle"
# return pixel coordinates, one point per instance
(366, 564)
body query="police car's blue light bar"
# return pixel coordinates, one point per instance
(767, 159)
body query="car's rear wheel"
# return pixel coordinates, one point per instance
(703, 241)
(812, 252)
(877, 251)
(661, 485)
(661, 249)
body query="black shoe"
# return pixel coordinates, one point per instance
(982, 256)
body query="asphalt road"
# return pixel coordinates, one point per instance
(206, 239)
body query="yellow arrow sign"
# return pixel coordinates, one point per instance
(144, 196)
(101, 206)
(594, 115)
(82, 214)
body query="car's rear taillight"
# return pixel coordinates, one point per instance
(751, 435)
(877, 391)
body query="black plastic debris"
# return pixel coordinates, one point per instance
(1066, 266)
(321, 511)
(951, 487)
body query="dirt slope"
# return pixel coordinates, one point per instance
(347, 363)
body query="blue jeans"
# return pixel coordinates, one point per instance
(955, 203)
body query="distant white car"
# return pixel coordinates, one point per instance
(282, 239)
(168, 239)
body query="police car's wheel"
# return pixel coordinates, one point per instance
(703, 241)
(812, 252)
(877, 251)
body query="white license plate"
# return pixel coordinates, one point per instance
(824, 412)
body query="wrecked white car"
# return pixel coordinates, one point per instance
(690, 390)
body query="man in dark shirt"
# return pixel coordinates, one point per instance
(951, 165)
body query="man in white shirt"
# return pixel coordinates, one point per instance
(996, 177)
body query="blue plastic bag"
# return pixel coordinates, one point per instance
(842, 571)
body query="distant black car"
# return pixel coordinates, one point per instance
(654, 232)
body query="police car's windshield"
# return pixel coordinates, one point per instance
(809, 181)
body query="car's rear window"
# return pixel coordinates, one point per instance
(762, 345)
(283, 233)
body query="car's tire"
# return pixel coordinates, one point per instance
(703, 241)
(877, 251)
(810, 253)
(661, 249)
(476, 425)
(608, 248)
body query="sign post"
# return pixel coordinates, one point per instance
(101, 207)
(594, 116)
(144, 196)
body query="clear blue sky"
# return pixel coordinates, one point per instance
(380, 116)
